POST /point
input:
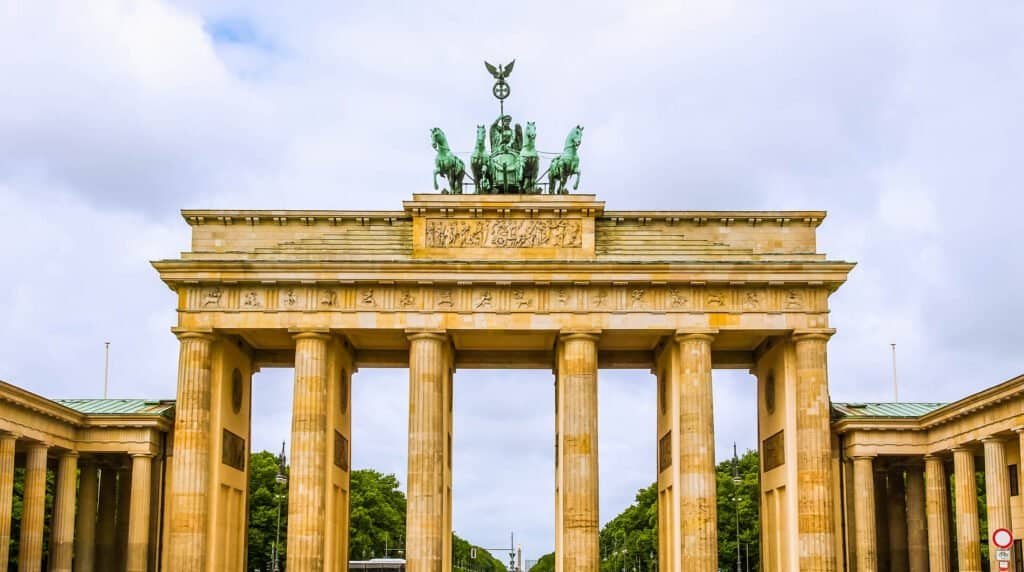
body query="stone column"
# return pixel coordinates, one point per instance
(307, 490)
(190, 489)
(106, 521)
(968, 535)
(917, 526)
(997, 492)
(85, 526)
(867, 539)
(425, 530)
(697, 495)
(937, 513)
(62, 531)
(816, 521)
(897, 496)
(138, 516)
(7, 441)
(30, 555)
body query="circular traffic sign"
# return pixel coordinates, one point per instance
(1002, 538)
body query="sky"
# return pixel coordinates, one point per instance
(903, 120)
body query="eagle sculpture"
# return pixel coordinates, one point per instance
(500, 72)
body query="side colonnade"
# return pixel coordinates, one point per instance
(922, 530)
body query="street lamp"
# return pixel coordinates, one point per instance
(736, 480)
(281, 480)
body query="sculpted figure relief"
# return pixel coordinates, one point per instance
(513, 233)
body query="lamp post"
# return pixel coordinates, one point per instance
(281, 480)
(736, 480)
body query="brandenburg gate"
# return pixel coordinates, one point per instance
(455, 281)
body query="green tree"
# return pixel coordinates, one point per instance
(484, 561)
(630, 540)
(267, 496)
(377, 525)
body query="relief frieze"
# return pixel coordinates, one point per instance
(504, 233)
(523, 298)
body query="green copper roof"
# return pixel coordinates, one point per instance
(118, 406)
(898, 409)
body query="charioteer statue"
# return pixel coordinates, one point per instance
(511, 165)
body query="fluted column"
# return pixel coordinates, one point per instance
(917, 526)
(898, 557)
(307, 490)
(697, 499)
(106, 521)
(138, 516)
(968, 535)
(190, 489)
(937, 513)
(85, 524)
(63, 528)
(425, 520)
(30, 555)
(816, 519)
(864, 495)
(997, 492)
(7, 442)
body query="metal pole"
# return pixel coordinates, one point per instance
(895, 386)
(106, 367)
(736, 499)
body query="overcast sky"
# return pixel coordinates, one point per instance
(902, 119)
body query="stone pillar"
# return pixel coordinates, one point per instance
(62, 531)
(425, 522)
(7, 441)
(917, 526)
(307, 502)
(577, 464)
(106, 521)
(937, 513)
(867, 539)
(697, 499)
(138, 516)
(997, 492)
(190, 489)
(124, 493)
(816, 521)
(85, 526)
(30, 555)
(968, 535)
(897, 496)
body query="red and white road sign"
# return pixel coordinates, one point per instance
(1002, 538)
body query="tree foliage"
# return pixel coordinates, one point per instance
(630, 540)
(377, 518)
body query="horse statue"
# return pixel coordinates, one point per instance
(446, 163)
(478, 161)
(566, 164)
(529, 160)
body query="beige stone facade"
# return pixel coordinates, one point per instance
(93, 448)
(549, 282)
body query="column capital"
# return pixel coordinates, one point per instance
(864, 457)
(934, 457)
(146, 455)
(822, 334)
(1019, 430)
(703, 334)
(67, 453)
(414, 334)
(962, 449)
(992, 439)
(4, 435)
(579, 335)
(312, 334)
(35, 445)
(193, 334)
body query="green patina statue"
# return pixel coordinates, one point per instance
(512, 164)
(446, 163)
